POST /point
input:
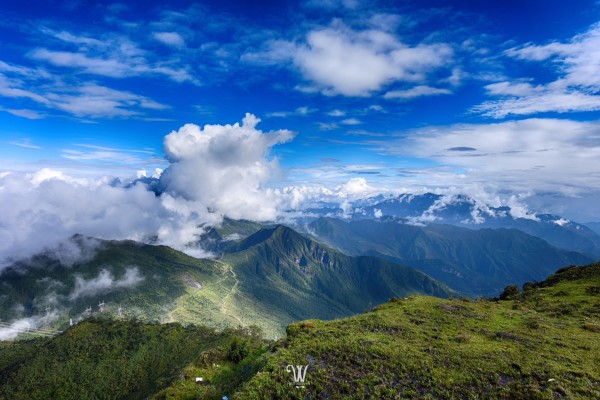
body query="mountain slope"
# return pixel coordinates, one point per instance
(478, 262)
(538, 344)
(103, 359)
(274, 277)
(542, 344)
(292, 277)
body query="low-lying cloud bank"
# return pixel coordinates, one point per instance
(215, 171)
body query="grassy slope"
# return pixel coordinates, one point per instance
(543, 344)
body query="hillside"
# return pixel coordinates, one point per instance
(148, 282)
(477, 262)
(292, 277)
(272, 278)
(541, 344)
(104, 359)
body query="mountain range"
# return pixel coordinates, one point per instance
(271, 278)
(475, 262)
(464, 211)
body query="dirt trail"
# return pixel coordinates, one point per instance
(226, 299)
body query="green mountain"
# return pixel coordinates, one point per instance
(149, 283)
(271, 278)
(540, 344)
(289, 277)
(477, 262)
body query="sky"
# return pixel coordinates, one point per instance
(250, 109)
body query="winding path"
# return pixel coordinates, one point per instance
(224, 309)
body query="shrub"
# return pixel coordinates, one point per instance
(509, 292)
(238, 350)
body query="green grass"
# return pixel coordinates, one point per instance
(541, 345)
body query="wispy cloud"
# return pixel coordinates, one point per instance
(351, 121)
(24, 113)
(300, 111)
(25, 142)
(93, 153)
(576, 86)
(173, 39)
(78, 99)
(417, 91)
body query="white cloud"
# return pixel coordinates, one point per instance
(327, 126)
(338, 60)
(215, 171)
(417, 91)
(300, 111)
(351, 121)
(104, 283)
(114, 56)
(356, 187)
(537, 155)
(34, 323)
(224, 167)
(546, 101)
(336, 113)
(82, 100)
(26, 142)
(29, 114)
(576, 86)
(173, 39)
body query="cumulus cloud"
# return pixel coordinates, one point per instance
(224, 167)
(356, 187)
(334, 59)
(105, 282)
(215, 171)
(576, 86)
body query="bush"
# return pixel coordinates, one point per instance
(238, 350)
(509, 292)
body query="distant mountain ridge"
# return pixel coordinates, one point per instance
(478, 262)
(462, 210)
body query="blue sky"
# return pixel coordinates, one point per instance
(486, 97)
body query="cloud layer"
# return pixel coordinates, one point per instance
(216, 171)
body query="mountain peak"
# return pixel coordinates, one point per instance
(278, 233)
